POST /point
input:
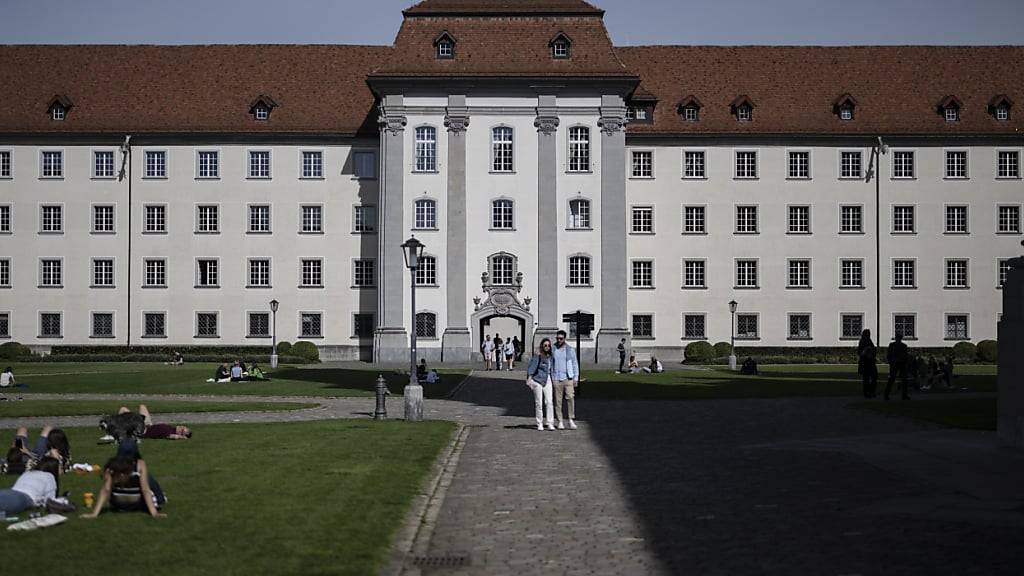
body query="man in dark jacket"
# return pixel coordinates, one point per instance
(897, 355)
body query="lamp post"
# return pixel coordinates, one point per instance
(413, 250)
(273, 333)
(732, 335)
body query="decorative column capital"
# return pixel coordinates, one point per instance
(391, 123)
(546, 125)
(610, 125)
(456, 121)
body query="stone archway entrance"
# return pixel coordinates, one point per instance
(502, 312)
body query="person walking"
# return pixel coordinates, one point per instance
(498, 350)
(622, 354)
(487, 348)
(566, 373)
(867, 366)
(538, 378)
(896, 356)
(510, 354)
(518, 348)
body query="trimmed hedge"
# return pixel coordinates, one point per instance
(14, 351)
(965, 351)
(305, 349)
(839, 354)
(166, 351)
(137, 357)
(722, 349)
(988, 351)
(284, 347)
(700, 351)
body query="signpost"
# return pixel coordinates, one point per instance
(584, 325)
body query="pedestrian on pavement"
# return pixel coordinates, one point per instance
(487, 348)
(566, 373)
(510, 354)
(519, 348)
(867, 367)
(498, 350)
(896, 356)
(622, 354)
(538, 378)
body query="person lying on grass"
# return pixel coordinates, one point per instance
(128, 485)
(52, 442)
(127, 424)
(33, 488)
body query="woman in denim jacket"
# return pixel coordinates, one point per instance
(538, 378)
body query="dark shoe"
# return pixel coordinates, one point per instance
(62, 506)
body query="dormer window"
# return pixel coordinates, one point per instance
(689, 108)
(561, 46)
(636, 113)
(846, 113)
(743, 108)
(952, 114)
(843, 107)
(999, 107)
(261, 108)
(57, 112)
(58, 109)
(262, 112)
(445, 45)
(1002, 113)
(949, 107)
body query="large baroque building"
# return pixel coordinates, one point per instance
(165, 194)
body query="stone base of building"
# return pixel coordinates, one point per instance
(457, 346)
(343, 353)
(391, 346)
(608, 345)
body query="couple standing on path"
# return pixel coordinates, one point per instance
(554, 371)
(896, 356)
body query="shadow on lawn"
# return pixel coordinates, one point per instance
(366, 380)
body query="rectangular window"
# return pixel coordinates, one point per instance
(311, 325)
(800, 165)
(956, 219)
(207, 273)
(312, 164)
(903, 274)
(426, 325)
(579, 149)
(364, 164)
(956, 327)
(693, 220)
(799, 219)
(364, 273)
(259, 164)
(5, 163)
(691, 113)
(502, 215)
(746, 219)
(312, 272)
(259, 273)
(154, 324)
(426, 272)
(693, 164)
(643, 326)
(208, 164)
(364, 219)
(643, 274)
(5, 325)
(501, 149)
(694, 326)
(579, 271)
(851, 220)
(903, 219)
(102, 325)
(956, 274)
(579, 214)
(53, 164)
(52, 219)
(746, 273)
(905, 325)
(1004, 271)
(799, 274)
(51, 273)
(694, 275)
(643, 220)
(746, 164)
(259, 219)
(156, 272)
(425, 215)
(746, 327)
(362, 325)
(156, 164)
(206, 324)
(851, 274)
(156, 218)
(903, 164)
(502, 270)
(850, 164)
(50, 325)
(5, 219)
(851, 326)
(103, 219)
(799, 326)
(312, 220)
(426, 149)
(643, 164)
(5, 273)
(1009, 220)
(956, 164)
(1008, 164)
(207, 219)
(103, 164)
(259, 324)
(103, 272)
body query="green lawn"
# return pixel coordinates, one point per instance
(970, 413)
(29, 407)
(771, 382)
(290, 498)
(156, 378)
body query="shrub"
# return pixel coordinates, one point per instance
(194, 358)
(14, 351)
(306, 350)
(988, 350)
(965, 351)
(284, 347)
(699, 352)
(722, 349)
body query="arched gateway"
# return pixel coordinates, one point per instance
(502, 312)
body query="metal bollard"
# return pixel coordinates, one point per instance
(381, 411)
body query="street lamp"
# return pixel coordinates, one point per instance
(413, 250)
(732, 335)
(273, 333)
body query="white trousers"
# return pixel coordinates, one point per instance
(542, 395)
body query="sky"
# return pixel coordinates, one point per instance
(630, 22)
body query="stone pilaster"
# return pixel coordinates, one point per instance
(547, 219)
(391, 342)
(1010, 385)
(614, 262)
(456, 342)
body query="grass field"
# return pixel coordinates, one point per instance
(29, 407)
(773, 381)
(152, 378)
(969, 413)
(290, 498)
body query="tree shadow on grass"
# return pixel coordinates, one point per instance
(366, 380)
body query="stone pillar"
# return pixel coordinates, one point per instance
(390, 341)
(547, 219)
(457, 341)
(1010, 383)
(614, 271)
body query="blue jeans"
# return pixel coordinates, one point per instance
(13, 501)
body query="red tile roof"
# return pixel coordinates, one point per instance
(897, 89)
(507, 7)
(316, 89)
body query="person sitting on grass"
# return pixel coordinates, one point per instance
(433, 377)
(129, 487)
(7, 378)
(655, 367)
(33, 488)
(634, 366)
(237, 374)
(421, 370)
(221, 375)
(749, 367)
(255, 373)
